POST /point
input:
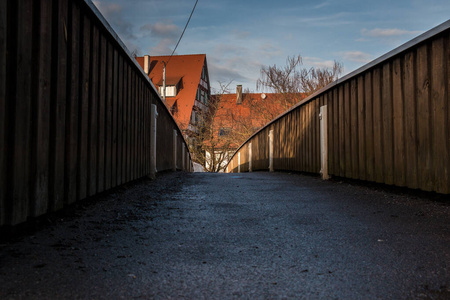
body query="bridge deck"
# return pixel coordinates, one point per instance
(252, 235)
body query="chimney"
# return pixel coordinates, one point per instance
(146, 64)
(239, 94)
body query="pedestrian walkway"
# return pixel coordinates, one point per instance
(223, 236)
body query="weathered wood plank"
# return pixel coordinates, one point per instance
(309, 137)
(362, 154)
(347, 131)
(439, 102)
(328, 101)
(298, 143)
(142, 133)
(139, 128)
(369, 123)
(304, 136)
(84, 109)
(124, 121)
(312, 142)
(41, 110)
(399, 163)
(108, 116)
(354, 128)
(132, 109)
(447, 92)
(424, 150)
(316, 137)
(93, 113)
(73, 71)
(102, 115)
(293, 140)
(386, 100)
(58, 112)
(342, 137)
(377, 126)
(22, 114)
(410, 120)
(114, 119)
(129, 120)
(119, 120)
(281, 144)
(336, 133)
(3, 107)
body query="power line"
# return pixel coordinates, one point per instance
(182, 32)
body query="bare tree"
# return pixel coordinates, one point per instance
(313, 79)
(285, 81)
(210, 148)
(293, 83)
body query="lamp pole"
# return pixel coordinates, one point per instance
(164, 81)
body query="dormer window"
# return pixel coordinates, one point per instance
(171, 90)
(173, 86)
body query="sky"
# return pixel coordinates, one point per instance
(240, 36)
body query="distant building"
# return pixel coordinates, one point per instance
(188, 89)
(241, 114)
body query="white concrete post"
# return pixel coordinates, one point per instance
(323, 142)
(174, 166)
(271, 150)
(183, 163)
(153, 119)
(239, 162)
(250, 157)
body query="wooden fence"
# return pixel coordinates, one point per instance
(75, 110)
(388, 122)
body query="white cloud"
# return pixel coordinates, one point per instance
(322, 5)
(108, 9)
(357, 56)
(114, 14)
(241, 35)
(317, 62)
(164, 47)
(387, 32)
(162, 30)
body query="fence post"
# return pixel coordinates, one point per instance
(183, 156)
(323, 143)
(188, 162)
(239, 162)
(271, 150)
(174, 166)
(153, 119)
(250, 157)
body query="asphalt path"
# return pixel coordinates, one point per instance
(237, 236)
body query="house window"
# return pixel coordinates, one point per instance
(171, 91)
(202, 96)
(204, 74)
(224, 131)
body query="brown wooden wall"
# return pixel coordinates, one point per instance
(387, 122)
(74, 109)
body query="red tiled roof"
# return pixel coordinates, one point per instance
(186, 67)
(256, 110)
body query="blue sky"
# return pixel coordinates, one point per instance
(239, 37)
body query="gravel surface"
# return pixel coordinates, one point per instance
(246, 236)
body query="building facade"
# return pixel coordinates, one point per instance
(185, 87)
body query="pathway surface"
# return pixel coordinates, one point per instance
(245, 236)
